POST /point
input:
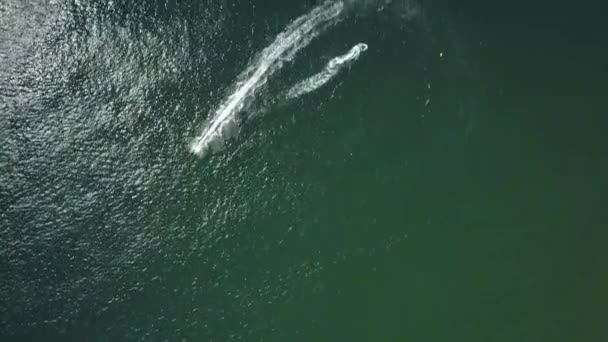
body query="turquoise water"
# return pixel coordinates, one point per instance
(448, 184)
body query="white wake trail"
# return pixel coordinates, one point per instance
(223, 122)
(332, 69)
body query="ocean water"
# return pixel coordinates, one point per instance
(342, 170)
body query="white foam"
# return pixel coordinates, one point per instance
(332, 69)
(295, 37)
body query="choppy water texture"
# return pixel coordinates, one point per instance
(380, 187)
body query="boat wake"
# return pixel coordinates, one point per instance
(223, 122)
(332, 69)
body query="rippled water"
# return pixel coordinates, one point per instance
(112, 230)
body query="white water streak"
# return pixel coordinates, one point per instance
(295, 37)
(332, 69)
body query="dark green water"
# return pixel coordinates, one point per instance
(450, 185)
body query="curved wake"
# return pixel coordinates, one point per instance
(297, 35)
(332, 69)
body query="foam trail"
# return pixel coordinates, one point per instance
(285, 46)
(332, 69)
